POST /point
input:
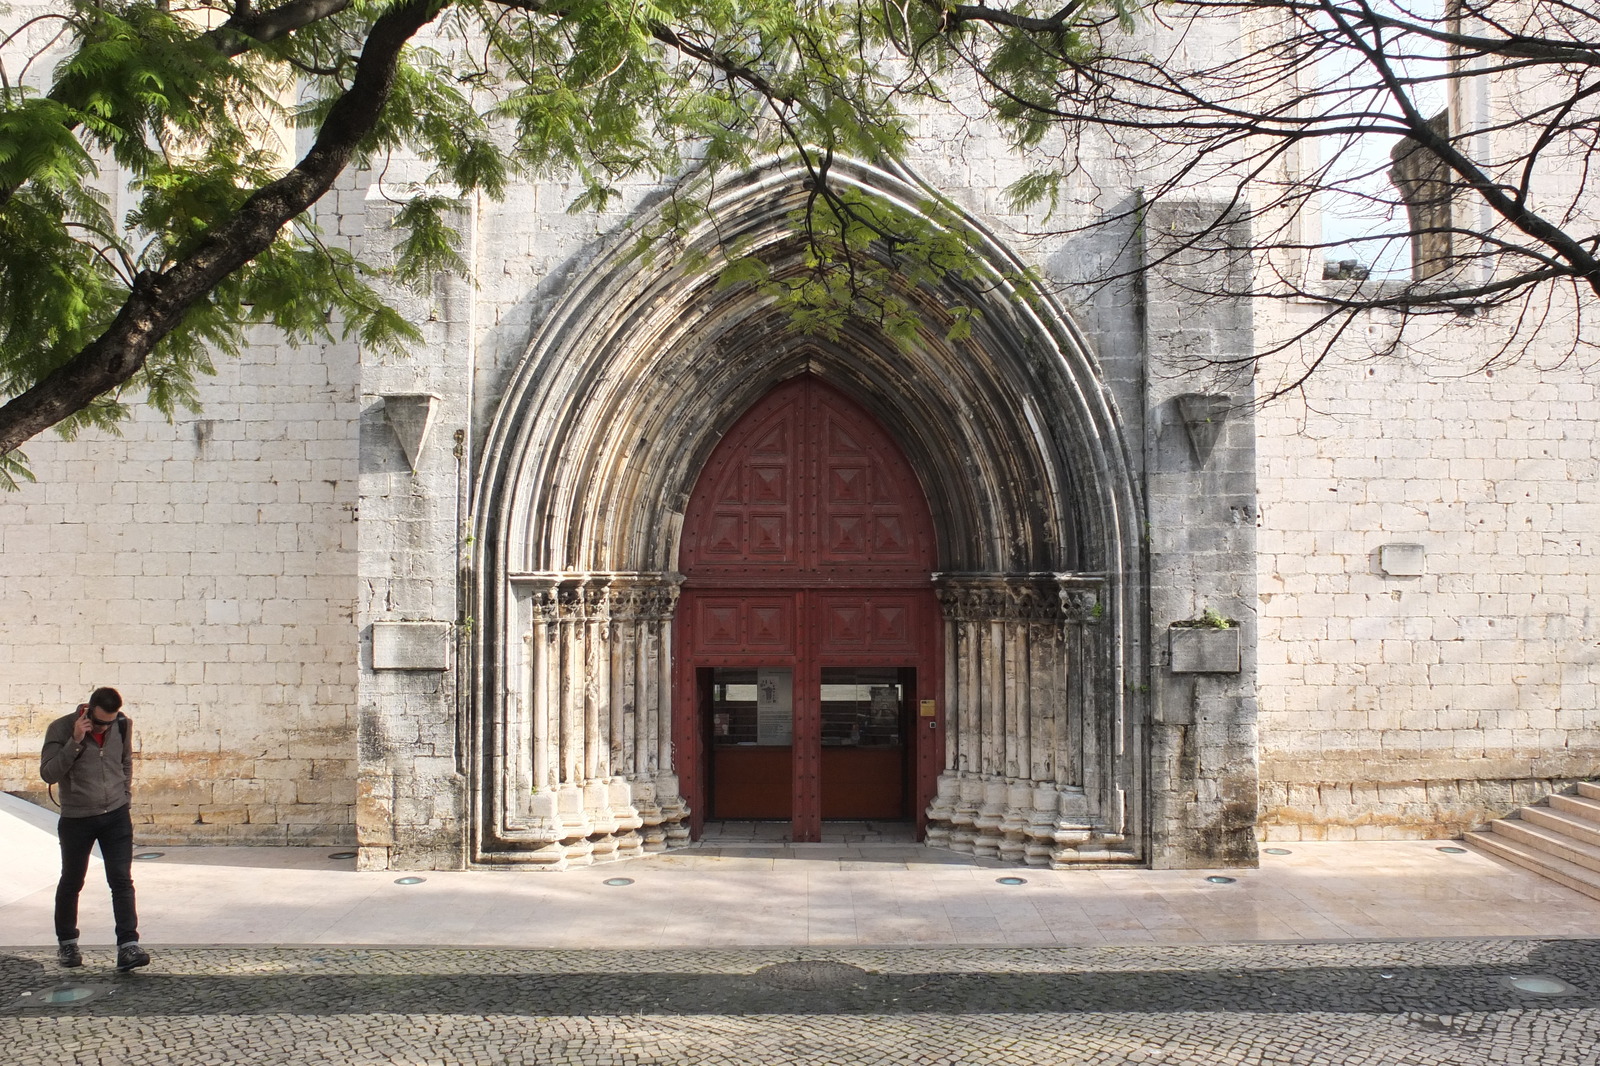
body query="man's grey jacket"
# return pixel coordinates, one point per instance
(93, 778)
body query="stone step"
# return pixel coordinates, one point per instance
(1537, 838)
(1577, 826)
(1589, 789)
(1543, 863)
(1588, 809)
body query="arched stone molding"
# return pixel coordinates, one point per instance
(604, 427)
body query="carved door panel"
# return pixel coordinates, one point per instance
(807, 550)
(868, 503)
(807, 490)
(732, 623)
(747, 511)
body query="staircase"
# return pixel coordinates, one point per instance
(1559, 839)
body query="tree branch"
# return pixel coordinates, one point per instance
(158, 301)
(1511, 208)
(243, 31)
(247, 28)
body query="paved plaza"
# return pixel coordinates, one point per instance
(1411, 1003)
(850, 953)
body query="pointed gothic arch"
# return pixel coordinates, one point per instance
(603, 431)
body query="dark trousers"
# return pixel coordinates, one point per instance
(114, 833)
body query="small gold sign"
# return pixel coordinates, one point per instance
(927, 709)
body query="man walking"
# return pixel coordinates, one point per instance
(89, 753)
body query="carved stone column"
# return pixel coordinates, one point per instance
(642, 746)
(1091, 824)
(1028, 775)
(593, 708)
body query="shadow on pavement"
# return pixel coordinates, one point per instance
(309, 984)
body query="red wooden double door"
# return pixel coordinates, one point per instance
(807, 658)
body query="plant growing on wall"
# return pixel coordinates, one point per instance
(1209, 619)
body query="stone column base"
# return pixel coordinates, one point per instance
(602, 821)
(1021, 822)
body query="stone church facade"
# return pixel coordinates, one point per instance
(619, 550)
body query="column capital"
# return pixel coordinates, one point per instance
(1021, 597)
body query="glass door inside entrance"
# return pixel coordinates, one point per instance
(857, 716)
(752, 735)
(863, 742)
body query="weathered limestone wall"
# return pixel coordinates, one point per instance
(1199, 458)
(414, 455)
(206, 570)
(1416, 691)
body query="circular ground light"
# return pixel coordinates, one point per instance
(1452, 851)
(146, 856)
(1540, 985)
(1279, 851)
(1011, 880)
(617, 882)
(1218, 879)
(68, 994)
(409, 880)
(342, 855)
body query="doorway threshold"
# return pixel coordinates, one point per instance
(776, 834)
(850, 844)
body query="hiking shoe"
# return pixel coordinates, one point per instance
(68, 955)
(131, 957)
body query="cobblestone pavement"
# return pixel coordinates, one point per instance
(1385, 1003)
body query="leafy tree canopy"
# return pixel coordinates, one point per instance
(180, 96)
(100, 310)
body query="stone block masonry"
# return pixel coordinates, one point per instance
(409, 783)
(205, 569)
(1423, 702)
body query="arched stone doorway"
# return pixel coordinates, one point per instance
(807, 660)
(585, 483)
